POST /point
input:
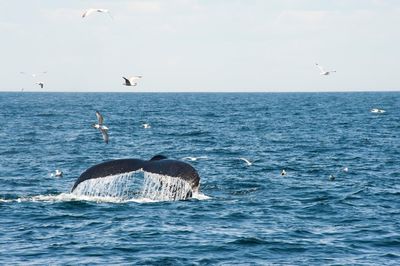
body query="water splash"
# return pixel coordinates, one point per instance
(154, 187)
(115, 186)
(165, 188)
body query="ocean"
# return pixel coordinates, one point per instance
(338, 204)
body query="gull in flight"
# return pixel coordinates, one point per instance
(103, 129)
(99, 10)
(322, 71)
(248, 163)
(132, 81)
(194, 158)
(41, 84)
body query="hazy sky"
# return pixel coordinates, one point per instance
(201, 45)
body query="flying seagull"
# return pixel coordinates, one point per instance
(92, 10)
(248, 163)
(103, 129)
(41, 84)
(132, 81)
(322, 71)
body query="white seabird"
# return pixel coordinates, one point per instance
(283, 172)
(189, 158)
(132, 81)
(99, 10)
(248, 163)
(103, 129)
(322, 71)
(145, 125)
(377, 110)
(58, 173)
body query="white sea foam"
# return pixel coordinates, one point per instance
(200, 196)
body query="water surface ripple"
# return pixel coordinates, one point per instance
(254, 215)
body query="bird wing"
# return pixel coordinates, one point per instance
(99, 117)
(88, 12)
(134, 78)
(105, 135)
(102, 10)
(320, 68)
(127, 82)
(244, 159)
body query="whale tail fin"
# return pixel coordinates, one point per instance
(158, 157)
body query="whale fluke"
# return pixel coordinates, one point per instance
(158, 157)
(159, 164)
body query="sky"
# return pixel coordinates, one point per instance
(201, 45)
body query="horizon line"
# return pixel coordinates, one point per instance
(199, 91)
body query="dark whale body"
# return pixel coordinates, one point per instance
(157, 165)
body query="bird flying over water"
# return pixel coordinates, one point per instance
(103, 129)
(132, 81)
(248, 163)
(41, 84)
(99, 10)
(322, 71)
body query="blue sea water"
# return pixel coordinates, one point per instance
(253, 216)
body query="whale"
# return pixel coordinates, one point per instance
(159, 164)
